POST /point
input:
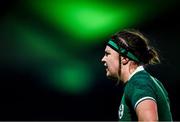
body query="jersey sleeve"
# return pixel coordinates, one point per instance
(138, 91)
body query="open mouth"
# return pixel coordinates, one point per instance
(106, 67)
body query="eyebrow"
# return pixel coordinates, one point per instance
(108, 51)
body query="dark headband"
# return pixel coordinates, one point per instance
(122, 50)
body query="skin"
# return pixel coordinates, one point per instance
(147, 109)
(111, 62)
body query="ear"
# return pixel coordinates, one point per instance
(124, 60)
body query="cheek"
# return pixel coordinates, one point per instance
(114, 67)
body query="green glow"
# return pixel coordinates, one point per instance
(86, 23)
(87, 20)
(72, 78)
(35, 44)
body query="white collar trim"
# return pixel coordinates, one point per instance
(139, 68)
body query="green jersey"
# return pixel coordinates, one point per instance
(142, 86)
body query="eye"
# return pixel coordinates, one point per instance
(107, 53)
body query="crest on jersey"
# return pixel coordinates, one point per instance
(121, 111)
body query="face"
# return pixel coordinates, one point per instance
(111, 62)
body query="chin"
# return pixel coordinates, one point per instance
(108, 74)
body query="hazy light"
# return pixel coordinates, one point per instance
(87, 21)
(73, 79)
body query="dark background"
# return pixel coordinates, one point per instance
(22, 98)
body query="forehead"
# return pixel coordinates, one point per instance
(110, 50)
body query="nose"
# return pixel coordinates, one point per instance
(103, 59)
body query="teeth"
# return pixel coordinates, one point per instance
(105, 65)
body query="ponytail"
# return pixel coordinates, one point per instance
(152, 56)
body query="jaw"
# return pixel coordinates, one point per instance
(110, 75)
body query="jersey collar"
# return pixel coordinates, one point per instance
(139, 68)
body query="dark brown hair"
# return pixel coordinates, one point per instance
(139, 45)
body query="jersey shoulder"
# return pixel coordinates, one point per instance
(140, 80)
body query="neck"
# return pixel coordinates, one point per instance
(127, 70)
